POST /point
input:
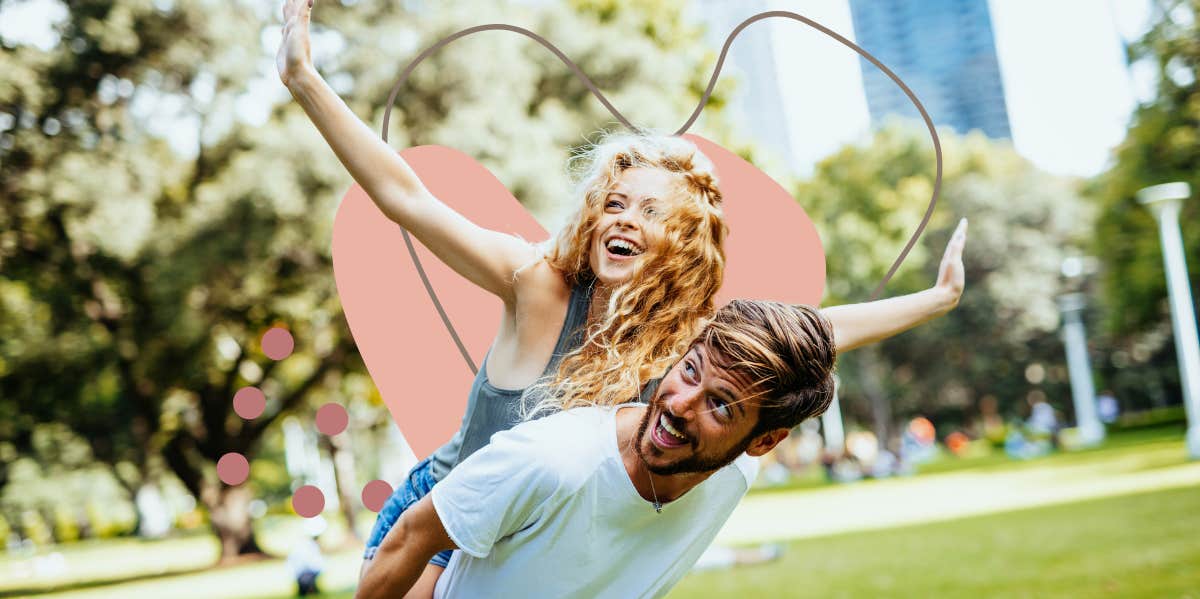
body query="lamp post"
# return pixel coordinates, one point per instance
(831, 422)
(1091, 431)
(1165, 201)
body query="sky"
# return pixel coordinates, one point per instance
(1068, 91)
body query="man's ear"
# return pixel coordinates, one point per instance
(766, 442)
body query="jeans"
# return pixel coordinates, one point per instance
(417, 485)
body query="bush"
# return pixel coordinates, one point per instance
(1150, 418)
(34, 528)
(66, 524)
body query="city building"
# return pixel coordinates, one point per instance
(945, 51)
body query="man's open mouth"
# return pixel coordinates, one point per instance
(667, 435)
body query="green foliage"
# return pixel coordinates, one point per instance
(66, 523)
(34, 528)
(1161, 145)
(163, 203)
(868, 199)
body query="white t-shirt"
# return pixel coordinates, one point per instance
(548, 510)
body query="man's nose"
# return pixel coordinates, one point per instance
(685, 403)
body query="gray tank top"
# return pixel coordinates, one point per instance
(491, 410)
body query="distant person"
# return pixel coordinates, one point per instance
(1108, 407)
(1042, 420)
(305, 560)
(719, 558)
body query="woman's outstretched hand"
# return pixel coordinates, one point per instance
(294, 56)
(951, 278)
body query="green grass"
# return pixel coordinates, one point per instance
(1116, 546)
(1142, 545)
(1118, 444)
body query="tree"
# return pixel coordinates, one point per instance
(140, 267)
(1162, 145)
(868, 199)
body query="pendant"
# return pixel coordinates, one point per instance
(658, 507)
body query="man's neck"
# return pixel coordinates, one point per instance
(665, 487)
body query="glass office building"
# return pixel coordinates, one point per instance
(944, 51)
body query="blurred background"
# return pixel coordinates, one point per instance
(164, 204)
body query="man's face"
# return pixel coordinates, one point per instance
(698, 420)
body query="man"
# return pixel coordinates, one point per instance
(620, 501)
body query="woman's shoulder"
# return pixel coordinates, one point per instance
(540, 285)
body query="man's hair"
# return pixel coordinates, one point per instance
(785, 352)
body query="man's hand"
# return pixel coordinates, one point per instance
(294, 55)
(951, 278)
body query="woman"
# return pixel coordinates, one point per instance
(594, 316)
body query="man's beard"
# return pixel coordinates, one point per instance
(693, 464)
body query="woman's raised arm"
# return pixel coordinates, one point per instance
(485, 257)
(856, 325)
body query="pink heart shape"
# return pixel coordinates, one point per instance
(772, 252)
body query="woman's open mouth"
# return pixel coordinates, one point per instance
(622, 249)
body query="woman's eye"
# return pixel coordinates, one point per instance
(614, 204)
(688, 368)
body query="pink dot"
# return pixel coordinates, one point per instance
(233, 468)
(249, 402)
(375, 493)
(308, 501)
(277, 343)
(332, 419)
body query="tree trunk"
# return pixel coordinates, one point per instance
(345, 477)
(872, 385)
(229, 511)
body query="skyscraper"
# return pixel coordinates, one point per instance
(944, 51)
(757, 103)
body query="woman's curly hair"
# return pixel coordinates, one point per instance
(652, 318)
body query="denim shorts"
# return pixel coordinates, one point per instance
(417, 485)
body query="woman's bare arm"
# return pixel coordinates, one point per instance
(856, 325)
(485, 257)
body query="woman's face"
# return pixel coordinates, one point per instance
(630, 226)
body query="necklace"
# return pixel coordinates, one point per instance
(657, 503)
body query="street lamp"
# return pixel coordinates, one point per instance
(831, 422)
(1165, 201)
(1091, 431)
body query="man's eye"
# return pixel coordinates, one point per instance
(722, 408)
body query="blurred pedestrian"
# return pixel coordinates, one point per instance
(305, 559)
(1108, 407)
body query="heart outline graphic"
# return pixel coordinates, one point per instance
(375, 344)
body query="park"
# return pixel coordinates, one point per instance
(186, 410)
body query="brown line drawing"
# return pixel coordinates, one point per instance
(387, 114)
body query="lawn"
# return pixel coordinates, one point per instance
(1141, 545)
(1115, 521)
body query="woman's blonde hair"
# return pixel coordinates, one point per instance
(651, 318)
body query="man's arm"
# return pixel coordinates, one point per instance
(856, 325)
(417, 536)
